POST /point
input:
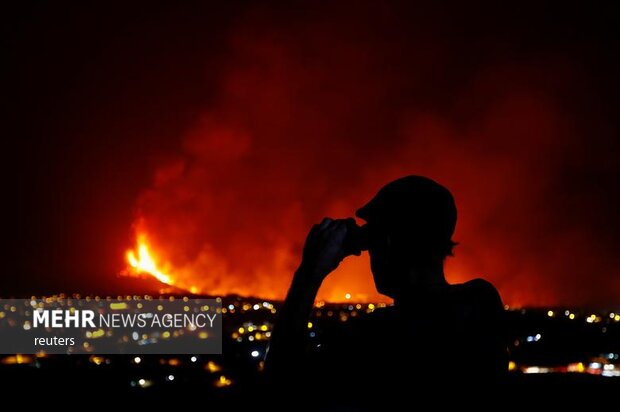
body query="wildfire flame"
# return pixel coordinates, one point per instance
(142, 261)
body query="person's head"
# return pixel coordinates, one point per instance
(410, 223)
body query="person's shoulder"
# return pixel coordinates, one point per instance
(480, 287)
(481, 294)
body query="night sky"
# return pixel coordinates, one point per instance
(223, 131)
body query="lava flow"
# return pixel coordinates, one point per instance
(143, 262)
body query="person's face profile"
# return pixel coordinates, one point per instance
(379, 252)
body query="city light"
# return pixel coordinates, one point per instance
(223, 381)
(247, 331)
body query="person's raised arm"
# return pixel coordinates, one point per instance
(322, 253)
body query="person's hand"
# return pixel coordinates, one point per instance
(324, 250)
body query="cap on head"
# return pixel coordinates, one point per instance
(415, 207)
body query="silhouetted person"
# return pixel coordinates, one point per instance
(435, 335)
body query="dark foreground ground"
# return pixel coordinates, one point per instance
(554, 352)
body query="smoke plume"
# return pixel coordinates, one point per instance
(312, 112)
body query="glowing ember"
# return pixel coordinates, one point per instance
(144, 262)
